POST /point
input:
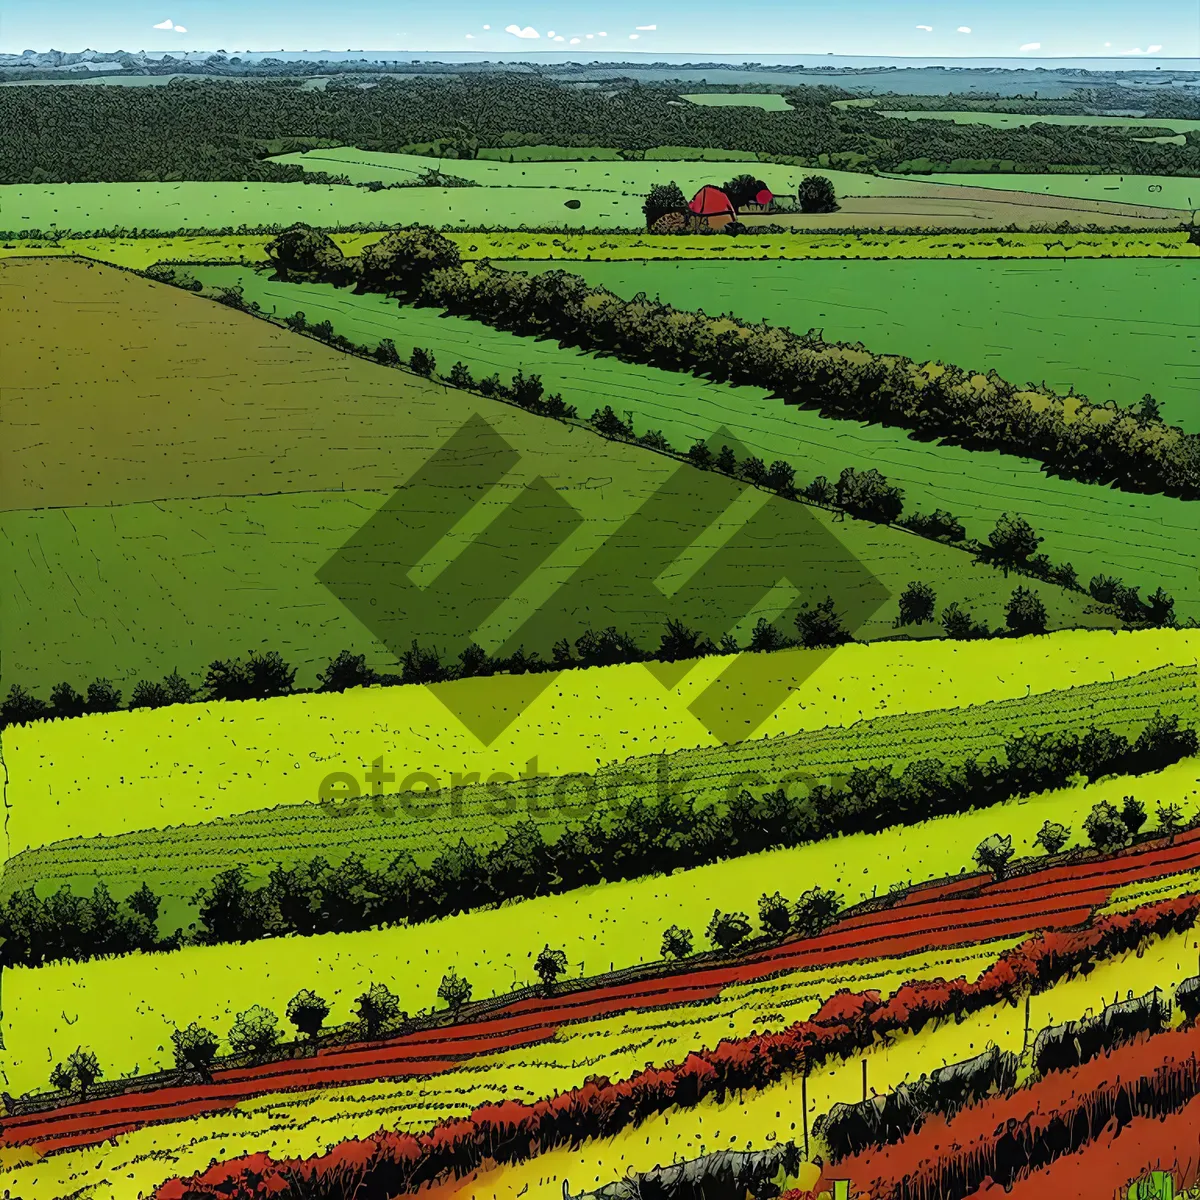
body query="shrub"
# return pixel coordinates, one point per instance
(1052, 836)
(387, 354)
(867, 494)
(102, 697)
(1104, 827)
(195, 1048)
(255, 1030)
(961, 625)
(816, 194)
(664, 199)
(1012, 541)
(77, 1074)
(259, 678)
(815, 911)
(676, 943)
(460, 377)
(1170, 819)
(993, 853)
(773, 914)
(939, 524)
(820, 491)
(699, 455)
(65, 701)
(346, 671)
(454, 990)
(376, 1008)
(766, 636)
(422, 362)
(402, 261)
(917, 604)
(549, 965)
(307, 1011)
(1025, 613)
(727, 930)
(608, 424)
(20, 707)
(301, 252)
(1133, 815)
(780, 477)
(820, 625)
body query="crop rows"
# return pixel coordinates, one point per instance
(423, 824)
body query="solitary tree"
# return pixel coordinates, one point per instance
(918, 603)
(727, 930)
(400, 262)
(255, 1030)
(550, 964)
(1052, 836)
(376, 1007)
(1013, 541)
(773, 914)
(993, 853)
(454, 990)
(677, 942)
(77, 1074)
(1170, 819)
(816, 194)
(422, 362)
(195, 1048)
(1025, 613)
(307, 1011)
(1104, 827)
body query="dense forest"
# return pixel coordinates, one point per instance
(215, 129)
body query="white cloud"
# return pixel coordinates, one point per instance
(549, 33)
(517, 31)
(645, 28)
(559, 38)
(487, 27)
(602, 35)
(576, 41)
(1032, 46)
(1153, 49)
(1148, 50)
(964, 29)
(591, 35)
(633, 37)
(180, 29)
(167, 24)
(470, 36)
(927, 28)
(1107, 44)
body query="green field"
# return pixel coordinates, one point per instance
(998, 120)
(767, 101)
(176, 860)
(1111, 330)
(125, 1007)
(1147, 539)
(1156, 191)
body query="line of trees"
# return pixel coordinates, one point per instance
(640, 839)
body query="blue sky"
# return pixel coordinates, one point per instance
(900, 28)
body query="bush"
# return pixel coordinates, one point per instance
(259, 678)
(387, 354)
(816, 195)
(773, 914)
(401, 262)
(820, 491)
(781, 477)
(301, 252)
(1013, 541)
(815, 911)
(254, 1031)
(422, 362)
(195, 1048)
(939, 524)
(1104, 827)
(174, 689)
(993, 853)
(1170, 819)
(65, 701)
(727, 930)
(917, 604)
(962, 626)
(1025, 614)
(1052, 836)
(1133, 815)
(664, 199)
(454, 990)
(460, 377)
(20, 707)
(376, 1008)
(307, 1011)
(867, 494)
(549, 965)
(820, 625)
(77, 1074)
(676, 943)
(346, 671)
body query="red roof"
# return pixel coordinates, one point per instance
(764, 197)
(709, 201)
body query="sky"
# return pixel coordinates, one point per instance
(930, 29)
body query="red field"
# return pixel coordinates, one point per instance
(958, 912)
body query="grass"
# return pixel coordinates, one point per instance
(124, 1007)
(178, 859)
(1155, 191)
(227, 546)
(121, 772)
(1111, 330)
(1146, 539)
(999, 120)
(767, 101)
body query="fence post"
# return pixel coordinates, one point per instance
(804, 1106)
(864, 1078)
(1025, 1047)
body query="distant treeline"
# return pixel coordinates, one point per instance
(636, 840)
(216, 129)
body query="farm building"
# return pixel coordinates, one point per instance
(710, 206)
